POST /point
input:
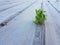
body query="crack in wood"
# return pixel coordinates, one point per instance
(39, 38)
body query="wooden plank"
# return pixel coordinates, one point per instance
(21, 30)
(12, 12)
(51, 35)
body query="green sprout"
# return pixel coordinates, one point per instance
(40, 16)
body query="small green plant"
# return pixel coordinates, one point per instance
(40, 16)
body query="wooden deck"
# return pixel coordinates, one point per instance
(17, 27)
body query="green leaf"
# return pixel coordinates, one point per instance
(40, 16)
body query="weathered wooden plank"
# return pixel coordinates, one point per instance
(52, 37)
(12, 12)
(21, 30)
